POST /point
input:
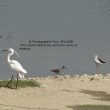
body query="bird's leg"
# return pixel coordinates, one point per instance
(97, 69)
(9, 81)
(58, 74)
(17, 82)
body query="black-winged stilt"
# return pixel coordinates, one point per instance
(98, 61)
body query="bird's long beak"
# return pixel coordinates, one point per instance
(4, 50)
(16, 53)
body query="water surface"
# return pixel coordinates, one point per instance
(84, 21)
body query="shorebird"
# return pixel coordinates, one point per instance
(58, 70)
(98, 61)
(15, 65)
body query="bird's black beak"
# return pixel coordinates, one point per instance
(4, 50)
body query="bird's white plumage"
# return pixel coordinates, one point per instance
(97, 61)
(15, 65)
(21, 75)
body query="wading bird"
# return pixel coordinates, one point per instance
(58, 70)
(98, 61)
(15, 65)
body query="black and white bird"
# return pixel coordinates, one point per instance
(98, 61)
(15, 65)
(58, 70)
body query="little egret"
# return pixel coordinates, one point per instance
(98, 61)
(58, 70)
(15, 65)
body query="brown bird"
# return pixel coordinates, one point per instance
(58, 70)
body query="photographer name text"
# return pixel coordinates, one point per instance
(47, 43)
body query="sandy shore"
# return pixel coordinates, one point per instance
(63, 93)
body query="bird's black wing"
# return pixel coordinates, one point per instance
(101, 60)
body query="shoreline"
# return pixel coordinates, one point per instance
(83, 76)
(78, 92)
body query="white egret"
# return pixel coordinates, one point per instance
(15, 65)
(58, 70)
(98, 61)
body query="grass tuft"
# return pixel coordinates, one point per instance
(21, 83)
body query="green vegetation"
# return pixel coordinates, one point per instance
(21, 83)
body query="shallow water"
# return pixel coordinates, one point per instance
(85, 22)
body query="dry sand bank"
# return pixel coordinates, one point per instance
(63, 93)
